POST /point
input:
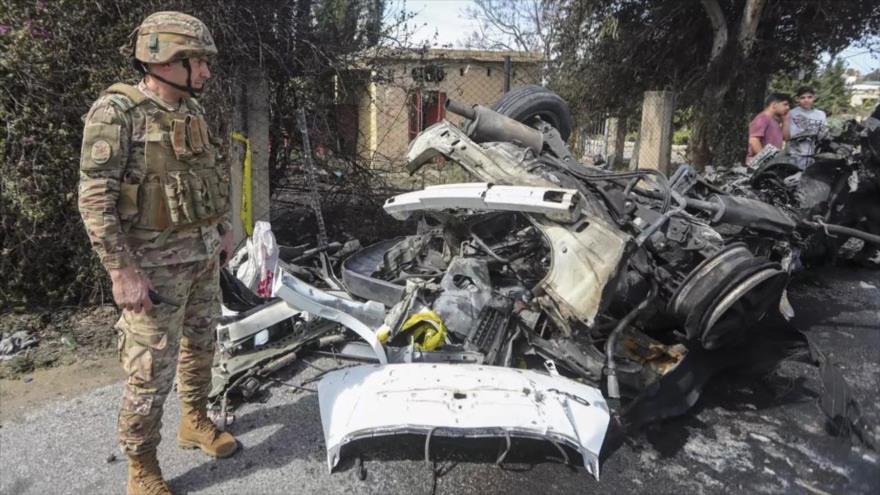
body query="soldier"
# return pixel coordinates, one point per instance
(155, 204)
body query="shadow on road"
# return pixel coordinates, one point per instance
(296, 438)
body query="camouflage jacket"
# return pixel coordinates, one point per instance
(109, 164)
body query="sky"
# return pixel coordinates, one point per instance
(445, 18)
(861, 59)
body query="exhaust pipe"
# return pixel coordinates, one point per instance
(487, 125)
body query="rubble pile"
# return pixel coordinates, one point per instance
(551, 296)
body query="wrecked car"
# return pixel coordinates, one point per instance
(548, 299)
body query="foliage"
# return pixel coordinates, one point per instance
(55, 59)
(681, 124)
(514, 25)
(681, 136)
(51, 71)
(523, 25)
(833, 95)
(716, 54)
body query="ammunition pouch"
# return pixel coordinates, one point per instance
(183, 187)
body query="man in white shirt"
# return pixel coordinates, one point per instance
(801, 121)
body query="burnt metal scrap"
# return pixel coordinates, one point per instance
(550, 295)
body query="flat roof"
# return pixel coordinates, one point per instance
(457, 55)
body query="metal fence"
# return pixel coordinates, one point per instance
(378, 111)
(643, 138)
(361, 126)
(390, 105)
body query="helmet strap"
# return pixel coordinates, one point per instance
(188, 88)
(139, 66)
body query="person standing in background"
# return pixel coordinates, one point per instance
(766, 128)
(803, 122)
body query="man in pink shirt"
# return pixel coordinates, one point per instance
(766, 127)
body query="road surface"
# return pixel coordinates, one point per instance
(755, 436)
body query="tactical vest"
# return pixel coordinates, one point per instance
(183, 186)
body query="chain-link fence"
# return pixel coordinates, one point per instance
(590, 140)
(387, 107)
(361, 131)
(649, 137)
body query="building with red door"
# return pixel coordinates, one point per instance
(404, 93)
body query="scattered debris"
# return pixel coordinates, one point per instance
(90, 329)
(461, 401)
(12, 344)
(550, 299)
(810, 488)
(69, 341)
(760, 438)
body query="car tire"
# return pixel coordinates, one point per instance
(527, 102)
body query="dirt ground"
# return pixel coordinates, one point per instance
(65, 336)
(76, 349)
(22, 395)
(76, 352)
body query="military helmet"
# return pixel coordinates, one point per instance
(168, 36)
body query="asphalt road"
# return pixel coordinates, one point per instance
(744, 436)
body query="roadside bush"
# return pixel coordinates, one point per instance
(57, 56)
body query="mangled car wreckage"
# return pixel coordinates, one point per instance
(546, 297)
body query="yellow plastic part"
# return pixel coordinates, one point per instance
(426, 329)
(383, 333)
(247, 190)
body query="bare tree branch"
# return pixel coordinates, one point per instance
(719, 27)
(749, 24)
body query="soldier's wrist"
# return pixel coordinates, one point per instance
(118, 262)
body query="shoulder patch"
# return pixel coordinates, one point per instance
(101, 151)
(101, 147)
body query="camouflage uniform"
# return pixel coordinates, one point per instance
(152, 196)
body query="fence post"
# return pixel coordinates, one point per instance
(655, 132)
(251, 117)
(615, 130)
(508, 72)
(236, 161)
(606, 136)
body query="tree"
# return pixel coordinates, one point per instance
(513, 25)
(833, 95)
(57, 57)
(717, 55)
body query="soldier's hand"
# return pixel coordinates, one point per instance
(131, 289)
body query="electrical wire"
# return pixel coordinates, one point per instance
(830, 228)
(662, 180)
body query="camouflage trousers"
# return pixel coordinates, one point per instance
(152, 346)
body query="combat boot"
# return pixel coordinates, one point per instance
(145, 477)
(198, 431)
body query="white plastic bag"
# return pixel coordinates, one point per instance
(260, 269)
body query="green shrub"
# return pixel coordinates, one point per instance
(57, 56)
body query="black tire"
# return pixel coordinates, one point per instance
(527, 102)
